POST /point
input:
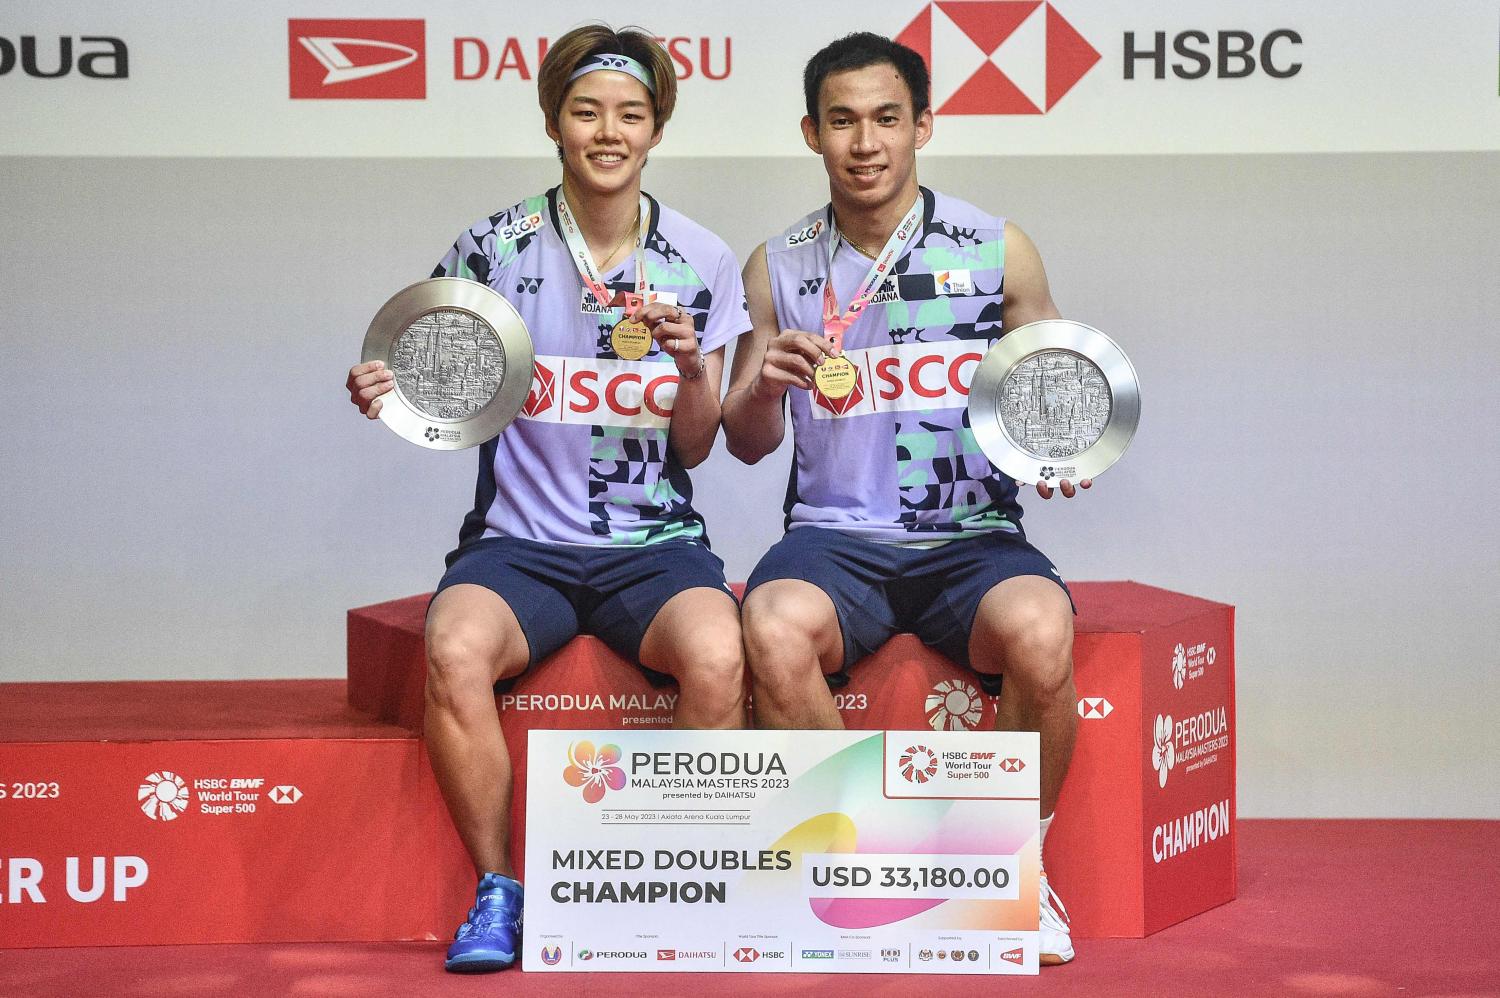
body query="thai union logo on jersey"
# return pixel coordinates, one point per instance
(601, 392)
(909, 376)
(357, 59)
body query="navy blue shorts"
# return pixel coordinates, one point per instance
(560, 590)
(879, 589)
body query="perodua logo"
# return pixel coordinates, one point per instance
(998, 56)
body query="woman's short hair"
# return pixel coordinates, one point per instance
(568, 53)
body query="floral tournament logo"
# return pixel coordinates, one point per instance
(1163, 751)
(595, 772)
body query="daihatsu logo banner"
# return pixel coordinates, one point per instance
(1009, 77)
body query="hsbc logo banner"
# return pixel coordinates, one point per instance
(1011, 77)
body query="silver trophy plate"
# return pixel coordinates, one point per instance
(1054, 399)
(462, 359)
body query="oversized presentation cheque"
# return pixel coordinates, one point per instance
(792, 851)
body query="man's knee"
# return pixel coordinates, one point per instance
(463, 661)
(713, 676)
(1030, 639)
(786, 635)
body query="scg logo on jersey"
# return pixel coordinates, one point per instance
(520, 227)
(601, 392)
(357, 59)
(910, 376)
(805, 235)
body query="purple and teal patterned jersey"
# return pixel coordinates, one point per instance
(587, 461)
(896, 460)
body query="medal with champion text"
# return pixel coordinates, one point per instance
(835, 376)
(630, 339)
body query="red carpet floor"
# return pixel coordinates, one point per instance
(1325, 908)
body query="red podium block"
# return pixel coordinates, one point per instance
(1144, 832)
(1144, 835)
(195, 812)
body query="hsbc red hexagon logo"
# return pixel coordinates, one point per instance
(341, 59)
(543, 391)
(1094, 708)
(998, 56)
(746, 954)
(1012, 765)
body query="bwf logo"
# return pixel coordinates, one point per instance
(998, 56)
(343, 59)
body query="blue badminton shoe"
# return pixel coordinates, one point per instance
(491, 937)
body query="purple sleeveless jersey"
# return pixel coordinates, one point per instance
(587, 461)
(896, 460)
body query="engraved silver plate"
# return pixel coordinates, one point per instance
(1054, 399)
(462, 360)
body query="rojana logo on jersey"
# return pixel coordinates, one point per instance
(601, 392)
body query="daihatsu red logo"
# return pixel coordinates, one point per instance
(334, 59)
(998, 56)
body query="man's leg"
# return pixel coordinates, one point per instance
(792, 638)
(695, 638)
(473, 639)
(1024, 630)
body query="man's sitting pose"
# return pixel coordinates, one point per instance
(870, 316)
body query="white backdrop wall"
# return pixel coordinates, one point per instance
(185, 491)
(188, 493)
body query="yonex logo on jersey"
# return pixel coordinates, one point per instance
(806, 235)
(515, 230)
(810, 287)
(357, 59)
(601, 392)
(909, 376)
(529, 285)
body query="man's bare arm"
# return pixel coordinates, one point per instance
(767, 363)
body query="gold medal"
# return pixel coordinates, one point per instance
(631, 339)
(835, 377)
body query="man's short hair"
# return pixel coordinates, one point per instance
(861, 49)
